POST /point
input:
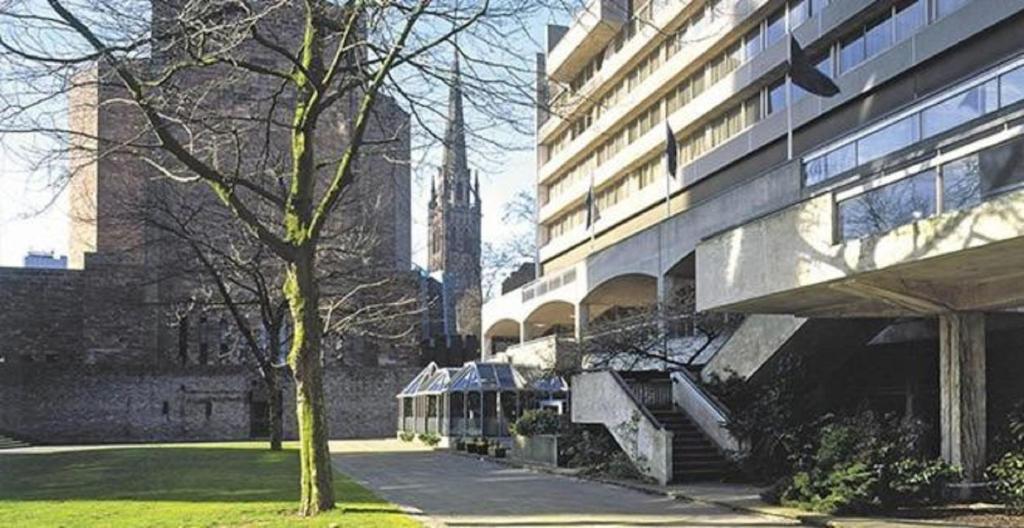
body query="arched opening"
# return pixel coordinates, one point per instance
(501, 335)
(620, 298)
(552, 318)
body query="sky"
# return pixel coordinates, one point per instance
(33, 217)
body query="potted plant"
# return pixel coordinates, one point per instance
(496, 450)
(460, 444)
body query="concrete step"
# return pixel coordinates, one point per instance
(7, 442)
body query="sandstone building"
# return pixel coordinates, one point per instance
(105, 351)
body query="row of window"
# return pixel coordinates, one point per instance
(767, 32)
(898, 20)
(956, 185)
(936, 115)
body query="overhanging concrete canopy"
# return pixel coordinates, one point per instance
(788, 263)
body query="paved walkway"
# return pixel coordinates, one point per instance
(452, 490)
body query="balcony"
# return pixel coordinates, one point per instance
(936, 236)
(592, 29)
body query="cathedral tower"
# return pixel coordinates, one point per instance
(454, 224)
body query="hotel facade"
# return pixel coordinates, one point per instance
(879, 232)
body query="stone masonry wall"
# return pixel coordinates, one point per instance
(51, 404)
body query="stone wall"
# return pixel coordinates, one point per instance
(51, 404)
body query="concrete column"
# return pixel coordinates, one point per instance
(523, 337)
(582, 319)
(962, 391)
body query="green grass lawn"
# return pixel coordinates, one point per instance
(240, 484)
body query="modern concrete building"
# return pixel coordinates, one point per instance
(889, 220)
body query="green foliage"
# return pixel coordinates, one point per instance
(773, 418)
(537, 422)
(1008, 475)
(170, 486)
(430, 439)
(593, 450)
(407, 436)
(864, 463)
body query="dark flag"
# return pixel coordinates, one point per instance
(805, 75)
(590, 207)
(671, 151)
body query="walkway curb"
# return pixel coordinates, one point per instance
(804, 517)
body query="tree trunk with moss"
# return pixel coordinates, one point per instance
(302, 292)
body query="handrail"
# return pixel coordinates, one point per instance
(629, 392)
(711, 398)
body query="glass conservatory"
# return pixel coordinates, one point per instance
(476, 400)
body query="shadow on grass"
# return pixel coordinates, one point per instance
(186, 474)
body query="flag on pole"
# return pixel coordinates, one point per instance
(805, 75)
(590, 206)
(671, 151)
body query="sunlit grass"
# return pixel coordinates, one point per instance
(240, 484)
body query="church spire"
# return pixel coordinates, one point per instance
(456, 169)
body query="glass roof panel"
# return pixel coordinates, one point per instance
(417, 383)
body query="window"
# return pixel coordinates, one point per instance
(887, 140)
(776, 97)
(910, 17)
(818, 5)
(752, 43)
(878, 37)
(851, 53)
(882, 209)
(799, 12)
(959, 109)
(752, 110)
(776, 28)
(1011, 86)
(960, 184)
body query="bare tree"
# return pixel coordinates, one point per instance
(264, 107)
(519, 247)
(670, 336)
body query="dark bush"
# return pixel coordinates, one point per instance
(537, 422)
(1008, 477)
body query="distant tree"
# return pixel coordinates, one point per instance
(518, 247)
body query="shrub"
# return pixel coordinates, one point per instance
(1008, 477)
(407, 436)
(430, 439)
(865, 464)
(537, 422)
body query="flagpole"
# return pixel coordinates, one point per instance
(789, 89)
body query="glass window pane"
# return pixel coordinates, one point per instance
(1012, 85)
(817, 6)
(878, 37)
(887, 140)
(885, 208)
(776, 97)
(814, 171)
(851, 53)
(1001, 167)
(910, 17)
(956, 110)
(960, 184)
(841, 159)
(752, 43)
(799, 12)
(776, 28)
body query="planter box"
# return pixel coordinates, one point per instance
(537, 449)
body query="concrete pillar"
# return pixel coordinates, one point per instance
(962, 391)
(486, 348)
(582, 319)
(523, 337)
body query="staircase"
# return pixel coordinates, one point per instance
(694, 456)
(7, 442)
